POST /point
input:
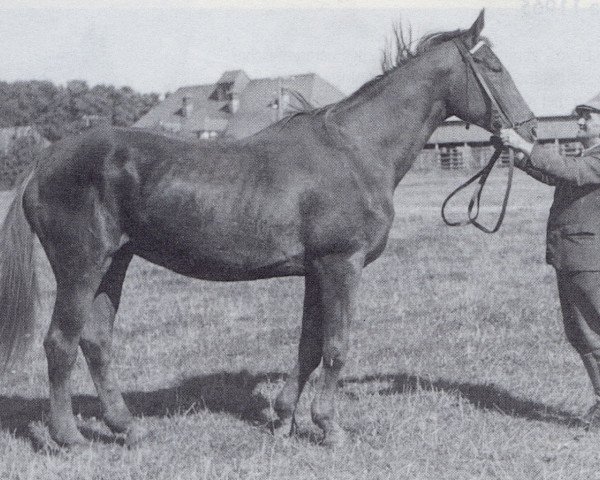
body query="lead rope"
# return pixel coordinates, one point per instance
(473, 218)
(474, 203)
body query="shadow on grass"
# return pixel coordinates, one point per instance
(234, 393)
(228, 392)
(485, 397)
(219, 392)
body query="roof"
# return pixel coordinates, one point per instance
(9, 134)
(237, 78)
(255, 110)
(256, 102)
(549, 128)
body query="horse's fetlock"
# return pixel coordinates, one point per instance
(283, 408)
(323, 414)
(285, 402)
(334, 356)
(92, 351)
(50, 342)
(58, 353)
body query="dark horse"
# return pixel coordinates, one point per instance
(311, 195)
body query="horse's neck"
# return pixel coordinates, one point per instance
(394, 120)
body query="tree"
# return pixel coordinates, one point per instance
(56, 111)
(59, 110)
(22, 153)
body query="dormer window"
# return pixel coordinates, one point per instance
(222, 92)
(207, 134)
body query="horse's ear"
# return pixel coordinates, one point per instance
(476, 28)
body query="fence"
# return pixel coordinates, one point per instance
(472, 157)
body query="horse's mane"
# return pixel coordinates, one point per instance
(401, 49)
(397, 52)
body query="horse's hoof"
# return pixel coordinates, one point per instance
(70, 440)
(335, 438)
(284, 428)
(119, 422)
(40, 438)
(135, 434)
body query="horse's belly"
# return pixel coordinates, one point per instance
(222, 268)
(223, 254)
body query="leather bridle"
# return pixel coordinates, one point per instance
(497, 115)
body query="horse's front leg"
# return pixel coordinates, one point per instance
(339, 278)
(310, 350)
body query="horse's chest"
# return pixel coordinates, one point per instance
(349, 224)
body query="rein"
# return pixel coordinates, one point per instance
(499, 114)
(482, 175)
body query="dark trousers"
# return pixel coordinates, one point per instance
(579, 294)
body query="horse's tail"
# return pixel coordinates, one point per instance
(18, 284)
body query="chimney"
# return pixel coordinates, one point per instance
(285, 99)
(187, 107)
(234, 103)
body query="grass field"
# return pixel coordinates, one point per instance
(458, 368)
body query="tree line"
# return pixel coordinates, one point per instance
(59, 110)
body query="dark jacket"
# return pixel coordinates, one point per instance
(573, 232)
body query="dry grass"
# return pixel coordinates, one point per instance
(458, 368)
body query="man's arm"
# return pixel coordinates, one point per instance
(525, 165)
(546, 164)
(577, 170)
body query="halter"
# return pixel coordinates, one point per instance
(497, 113)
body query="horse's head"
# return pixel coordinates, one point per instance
(483, 92)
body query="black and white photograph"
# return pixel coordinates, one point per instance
(334, 239)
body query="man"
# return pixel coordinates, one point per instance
(573, 235)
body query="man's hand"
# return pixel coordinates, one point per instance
(512, 139)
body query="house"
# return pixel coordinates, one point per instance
(9, 136)
(237, 106)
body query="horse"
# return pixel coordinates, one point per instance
(311, 195)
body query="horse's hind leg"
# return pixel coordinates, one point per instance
(80, 246)
(96, 344)
(72, 309)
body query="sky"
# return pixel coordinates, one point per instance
(550, 47)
